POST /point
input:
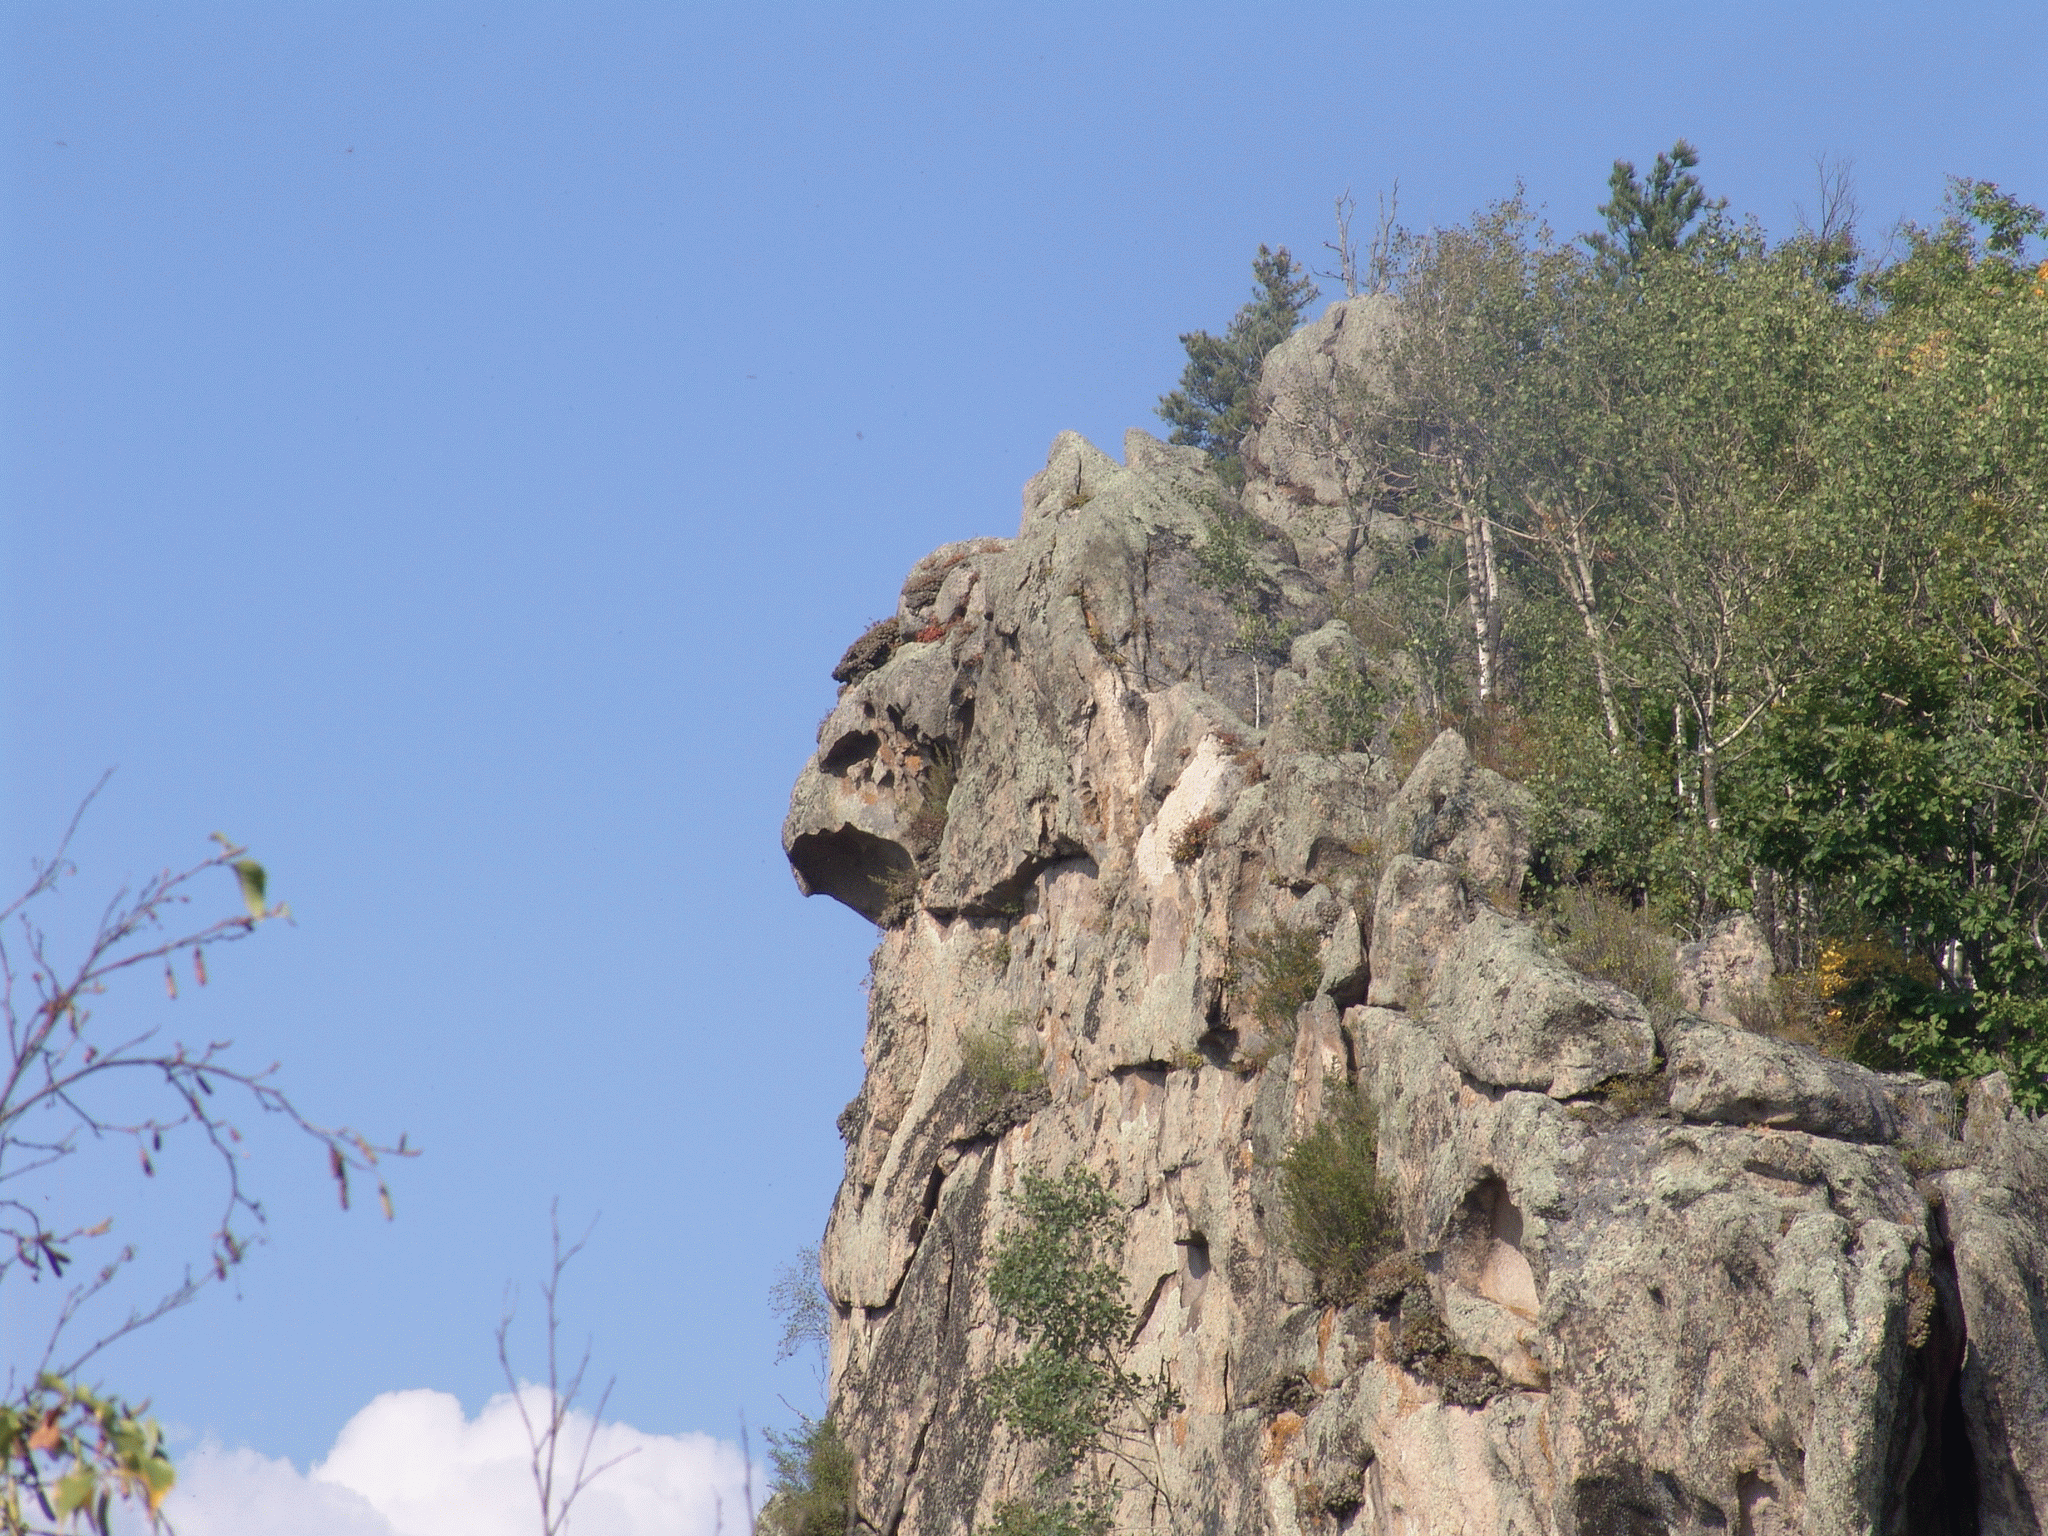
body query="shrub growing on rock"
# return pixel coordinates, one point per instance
(1340, 711)
(1052, 1281)
(1066, 1302)
(1278, 970)
(1602, 934)
(997, 1062)
(1038, 1517)
(811, 1472)
(1340, 1221)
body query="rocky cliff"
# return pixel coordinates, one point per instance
(1655, 1273)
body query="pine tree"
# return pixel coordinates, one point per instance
(1212, 408)
(1655, 215)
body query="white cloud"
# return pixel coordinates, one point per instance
(410, 1464)
(239, 1493)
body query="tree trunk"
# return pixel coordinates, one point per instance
(1577, 571)
(1482, 588)
(1678, 750)
(1475, 594)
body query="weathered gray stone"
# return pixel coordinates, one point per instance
(1995, 1218)
(1717, 972)
(1512, 1014)
(1723, 1074)
(1324, 813)
(1309, 465)
(1075, 471)
(1420, 908)
(1458, 813)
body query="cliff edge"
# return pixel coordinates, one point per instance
(1650, 1272)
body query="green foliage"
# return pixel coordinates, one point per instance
(1278, 970)
(1212, 408)
(1050, 1282)
(1088, 1515)
(1759, 555)
(811, 1471)
(1653, 215)
(67, 1453)
(1340, 710)
(1227, 563)
(997, 1062)
(1340, 1221)
(1224, 561)
(1889, 1010)
(2000, 1033)
(1608, 936)
(1750, 544)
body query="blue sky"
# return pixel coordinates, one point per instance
(448, 446)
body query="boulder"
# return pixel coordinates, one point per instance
(1512, 1014)
(1716, 972)
(1454, 811)
(1309, 466)
(1420, 908)
(1727, 1075)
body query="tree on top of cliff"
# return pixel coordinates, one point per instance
(1655, 214)
(1212, 408)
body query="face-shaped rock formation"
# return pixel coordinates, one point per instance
(1654, 1273)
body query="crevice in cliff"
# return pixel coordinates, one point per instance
(934, 1186)
(1218, 1045)
(916, 1459)
(1942, 1494)
(1151, 1305)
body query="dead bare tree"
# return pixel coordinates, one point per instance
(1383, 257)
(556, 1489)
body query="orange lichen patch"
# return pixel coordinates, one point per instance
(1180, 1430)
(1280, 1434)
(1320, 1378)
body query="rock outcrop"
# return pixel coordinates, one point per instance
(1657, 1273)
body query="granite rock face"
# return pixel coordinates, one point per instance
(1657, 1274)
(1307, 471)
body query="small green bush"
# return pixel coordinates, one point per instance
(1226, 561)
(1088, 1516)
(811, 1472)
(1279, 969)
(1066, 1301)
(1339, 1217)
(998, 1062)
(1602, 934)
